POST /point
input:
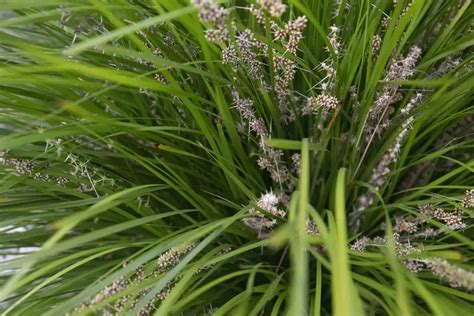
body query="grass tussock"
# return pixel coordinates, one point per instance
(262, 157)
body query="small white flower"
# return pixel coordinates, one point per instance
(267, 201)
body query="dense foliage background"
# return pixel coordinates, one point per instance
(236, 157)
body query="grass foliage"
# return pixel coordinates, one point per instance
(129, 175)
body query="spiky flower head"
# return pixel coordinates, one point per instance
(267, 201)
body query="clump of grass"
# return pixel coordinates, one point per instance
(262, 157)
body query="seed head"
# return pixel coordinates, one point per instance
(455, 276)
(333, 38)
(296, 160)
(360, 245)
(327, 101)
(452, 219)
(275, 7)
(376, 43)
(468, 201)
(229, 56)
(311, 228)
(210, 12)
(258, 14)
(294, 30)
(407, 224)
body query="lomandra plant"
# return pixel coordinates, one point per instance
(267, 157)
